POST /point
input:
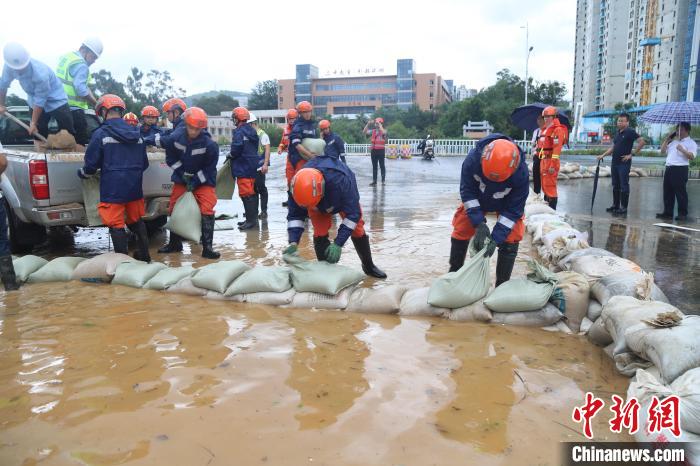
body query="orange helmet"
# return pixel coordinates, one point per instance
(500, 159)
(109, 101)
(241, 114)
(150, 111)
(307, 187)
(195, 117)
(304, 106)
(379, 120)
(174, 104)
(292, 114)
(323, 124)
(131, 119)
(550, 111)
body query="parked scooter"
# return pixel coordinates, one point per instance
(426, 148)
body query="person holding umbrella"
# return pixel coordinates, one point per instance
(680, 150)
(536, 145)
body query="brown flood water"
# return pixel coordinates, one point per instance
(107, 375)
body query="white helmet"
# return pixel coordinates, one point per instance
(16, 56)
(94, 44)
(252, 118)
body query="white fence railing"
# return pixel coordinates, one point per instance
(441, 147)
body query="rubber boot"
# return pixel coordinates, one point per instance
(250, 204)
(174, 244)
(507, 252)
(365, 254)
(120, 239)
(321, 243)
(139, 229)
(625, 198)
(458, 252)
(616, 201)
(208, 238)
(552, 201)
(7, 273)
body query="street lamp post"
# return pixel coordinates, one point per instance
(528, 49)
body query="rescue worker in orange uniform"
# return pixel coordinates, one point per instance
(494, 179)
(292, 115)
(244, 165)
(116, 148)
(552, 140)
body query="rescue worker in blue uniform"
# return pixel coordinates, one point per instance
(244, 165)
(324, 187)
(174, 108)
(149, 126)
(304, 127)
(335, 146)
(494, 179)
(117, 149)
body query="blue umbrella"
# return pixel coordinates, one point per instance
(673, 113)
(525, 117)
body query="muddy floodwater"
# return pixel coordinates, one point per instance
(107, 375)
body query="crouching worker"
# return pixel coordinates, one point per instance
(324, 187)
(191, 153)
(116, 148)
(494, 179)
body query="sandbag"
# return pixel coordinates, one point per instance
(562, 176)
(186, 287)
(594, 310)
(91, 198)
(628, 364)
(598, 334)
(673, 350)
(186, 218)
(564, 263)
(545, 227)
(272, 299)
(321, 277)
(168, 277)
(58, 270)
(532, 222)
(638, 285)
(314, 145)
(386, 300)
(465, 286)
(586, 325)
(538, 208)
(136, 274)
(567, 233)
(261, 279)
(523, 294)
(27, 265)
(475, 312)
(548, 315)
(309, 300)
(100, 268)
(225, 183)
(573, 301)
(596, 267)
(575, 175)
(415, 303)
(218, 276)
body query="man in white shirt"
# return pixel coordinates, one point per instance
(680, 150)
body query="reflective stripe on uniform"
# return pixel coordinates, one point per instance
(502, 194)
(109, 140)
(295, 224)
(176, 165)
(157, 140)
(200, 151)
(471, 204)
(179, 146)
(201, 176)
(505, 221)
(349, 223)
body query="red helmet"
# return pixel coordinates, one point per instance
(150, 111)
(304, 106)
(379, 120)
(131, 119)
(307, 187)
(292, 114)
(195, 117)
(174, 104)
(109, 101)
(323, 124)
(550, 111)
(500, 159)
(241, 114)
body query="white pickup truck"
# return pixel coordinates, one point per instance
(41, 190)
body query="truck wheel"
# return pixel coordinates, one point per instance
(23, 236)
(153, 227)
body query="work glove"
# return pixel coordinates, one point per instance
(482, 234)
(189, 181)
(333, 253)
(490, 248)
(82, 175)
(291, 250)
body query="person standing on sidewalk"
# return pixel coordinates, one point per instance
(621, 151)
(680, 150)
(536, 145)
(377, 147)
(7, 270)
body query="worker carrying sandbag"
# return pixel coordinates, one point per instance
(192, 154)
(116, 148)
(244, 165)
(494, 179)
(335, 146)
(174, 109)
(324, 187)
(552, 140)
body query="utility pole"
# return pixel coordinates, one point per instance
(528, 49)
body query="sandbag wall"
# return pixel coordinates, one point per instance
(575, 171)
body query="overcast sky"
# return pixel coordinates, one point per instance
(231, 45)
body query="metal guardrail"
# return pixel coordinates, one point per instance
(441, 147)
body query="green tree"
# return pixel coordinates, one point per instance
(397, 130)
(263, 96)
(275, 134)
(217, 104)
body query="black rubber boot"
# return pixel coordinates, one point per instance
(250, 204)
(365, 254)
(120, 239)
(7, 273)
(208, 238)
(616, 201)
(625, 199)
(321, 243)
(174, 244)
(552, 201)
(458, 252)
(507, 252)
(139, 229)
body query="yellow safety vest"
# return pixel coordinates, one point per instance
(63, 73)
(261, 148)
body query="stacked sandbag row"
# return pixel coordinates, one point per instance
(574, 171)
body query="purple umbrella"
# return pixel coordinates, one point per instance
(673, 113)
